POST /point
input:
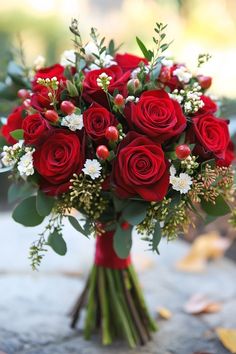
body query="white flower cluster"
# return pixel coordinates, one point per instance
(10, 157)
(183, 74)
(10, 154)
(131, 99)
(103, 81)
(25, 165)
(105, 60)
(190, 99)
(73, 121)
(182, 183)
(92, 168)
(135, 72)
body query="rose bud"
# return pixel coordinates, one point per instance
(27, 103)
(51, 115)
(165, 74)
(67, 107)
(182, 151)
(204, 81)
(133, 85)
(125, 225)
(23, 94)
(102, 152)
(119, 100)
(112, 133)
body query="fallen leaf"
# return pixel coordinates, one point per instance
(199, 303)
(205, 247)
(163, 312)
(227, 337)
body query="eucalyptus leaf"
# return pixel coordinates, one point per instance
(220, 207)
(135, 212)
(56, 241)
(17, 134)
(156, 237)
(26, 213)
(18, 191)
(44, 203)
(75, 223)
(122, 242)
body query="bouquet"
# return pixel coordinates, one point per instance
(113, 142)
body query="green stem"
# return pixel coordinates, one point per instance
(90, 320)
(103, 299)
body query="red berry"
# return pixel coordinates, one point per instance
(23, 94)
(119, 100)
(204, 81)
(102, 152)
(125, 225)
(182, 151)
(165, 74)
(67, 107)
(112, 133)
(52, 116)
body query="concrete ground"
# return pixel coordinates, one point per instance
(34, 305)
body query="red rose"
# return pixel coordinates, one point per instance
(140, 169)
(40, 100)
(209, 106)
(157, 116)
(57, 159)
(96, 120)
(91, 90)
(212, 135)
(35, 127)
(229, 156)
(14, 121)
(129, 61)
(49, 72)
(167, 78)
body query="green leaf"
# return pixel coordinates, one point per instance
(119, 204)
(156, 237)
(26, 213)
(209, 219)
(71, 89)
(135, 212)
(19, 191)
(17, 134)
(74, 222)
(156, 71)
(44, 203)
(220, 208)
(56, 241)
(122, 242)
(147, 53)
(211, 162)
(111, 47)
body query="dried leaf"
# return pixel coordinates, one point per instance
(201, 304)
(227, 337)
(163, 312)
(205, 247)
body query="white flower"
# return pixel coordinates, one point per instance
(172, 170)
(183, 74)
(105, 60)
(73, 121)
(68, 58)
(39, 62)
(9, 154)
(182, 183)
(90, 49)
(167, 62)
(92, 168)
(25, 164)
(136, 71)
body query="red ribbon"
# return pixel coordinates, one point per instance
(105, 255)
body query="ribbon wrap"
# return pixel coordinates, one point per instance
(105, 255)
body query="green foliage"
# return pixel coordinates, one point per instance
(148, 54)
(56, 241)
(135, 212)
(18, 191)
(75, 223)
(122, 242)
(17, 134)
(44, 203)
(156, 238)
(220, 207)
(26, 213)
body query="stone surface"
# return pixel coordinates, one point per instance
(34, 306)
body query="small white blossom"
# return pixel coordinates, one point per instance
(9, 154)
(136, 71)
(131, 99)
(39, 62)
(73, 121)
(167, 62)
(182, 183)
(176, 97)
(105, 60)
(103, 81)
(25, 165)
(92, 168)
(68, 58)
(183, 74)
(172, 170)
